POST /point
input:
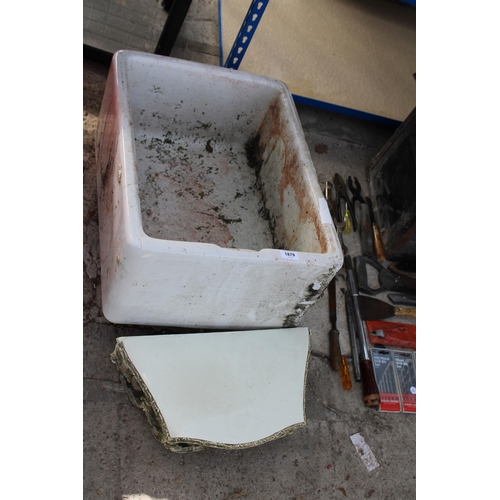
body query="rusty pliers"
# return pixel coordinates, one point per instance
(339, 224)
(355, 189)
(341, 190)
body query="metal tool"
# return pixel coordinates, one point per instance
(351, 325)
(333, 334)
(377, 238)
(335, 354)
(392, 334)
(347, 220)
(342, 274)
(366, 231)
(328, 189)
(355, 189)
(339, 224)
(401, 299)
(371, 396)
(372, 309)
(405, 268)
(345, 376)
(337, 359)
(387, 280)
(340, 230)
(341, 191)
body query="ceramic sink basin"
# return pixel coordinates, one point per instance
(210, 211)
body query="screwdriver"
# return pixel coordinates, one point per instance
(344, 372)
(337, 359)
(347, 220)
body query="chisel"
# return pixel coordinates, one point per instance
(371, 309)
(371, 396)
(334, 333)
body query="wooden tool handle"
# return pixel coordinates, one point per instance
(334, 350)
(405, 311)
(344, 374)
(378, 245)
(371, 396)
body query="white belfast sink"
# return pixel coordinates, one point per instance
(210, 211)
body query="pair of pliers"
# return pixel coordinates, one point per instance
(341, 190)
(355, 190)
(339, 223)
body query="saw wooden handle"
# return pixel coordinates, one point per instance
(405, 311)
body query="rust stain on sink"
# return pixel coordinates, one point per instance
(292, 175)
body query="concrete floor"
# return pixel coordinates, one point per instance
(121, 457)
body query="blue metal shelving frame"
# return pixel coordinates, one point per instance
(246, 33)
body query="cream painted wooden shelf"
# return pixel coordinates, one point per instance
(359, 55)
